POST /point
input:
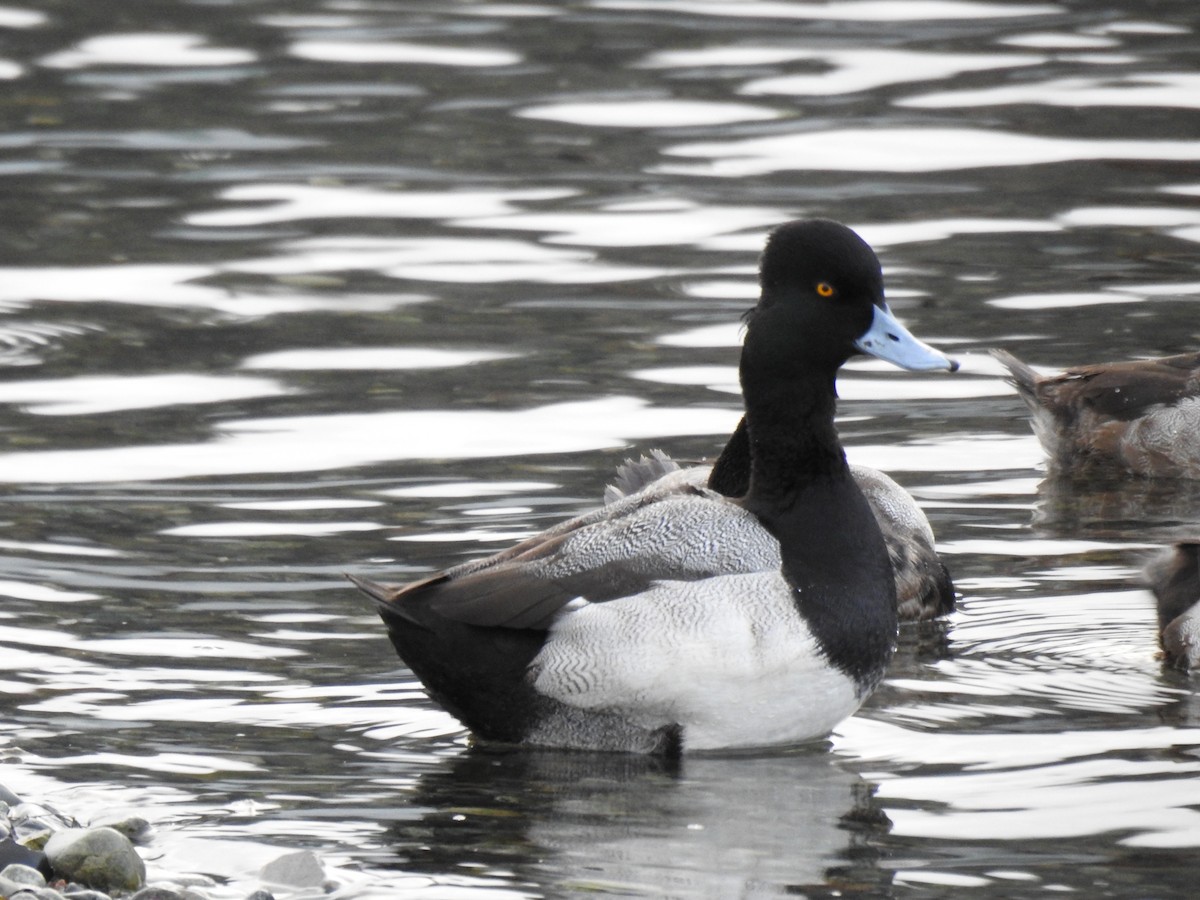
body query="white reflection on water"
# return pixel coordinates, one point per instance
(1021, 786)
(92, 395)
(312, 443)
(263, 529)
(1139, 216)
(310, 503)
(180, 763)
(1059, 40)
(864, 70)
(470, 489)
(974, 452)
(293, 202)
(197, 647)
(850, 11)
(1166, 89)
(1062, 301)
(147, 49)
(649, 113)
(909, 150)
(165, 285)
(369, 358)
(644, 224)
(14, 17)
(453, 260)
(23, 591)
(403, 52)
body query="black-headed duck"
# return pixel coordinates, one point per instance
(684, 620)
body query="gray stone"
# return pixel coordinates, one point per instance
(135, 828)
(75, 891)
(19, 874)
(261, 894)
(29, 892)
(97, 857)
(299, 869)
(157, 892)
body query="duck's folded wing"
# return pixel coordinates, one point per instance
(684, 536)
(1127, 390)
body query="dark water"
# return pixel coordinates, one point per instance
(291, 288)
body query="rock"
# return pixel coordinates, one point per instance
(13, 853)
(18, 873)
(157, 892)
(135, 828)
(75, 891)
(29, 892)
(299, 869)
(98, 857)
(261, 894)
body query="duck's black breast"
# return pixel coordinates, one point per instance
(837, 564)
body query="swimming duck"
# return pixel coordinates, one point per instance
(924, 587)
(1174, 577)
(683, 620)
(1140, 416)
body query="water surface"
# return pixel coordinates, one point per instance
(293, 288)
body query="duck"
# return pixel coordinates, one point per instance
(1139, 417)
(924, 585)
(680, 620)
(1173, 575)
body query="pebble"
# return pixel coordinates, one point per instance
(87, 862)
(97, 857)
(74, 891)
(17, 873)
(299, 869)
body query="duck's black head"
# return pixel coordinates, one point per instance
(820, 284)
(822, 302)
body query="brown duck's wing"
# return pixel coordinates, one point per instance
(1124, 390)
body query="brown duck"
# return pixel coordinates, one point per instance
(1140, 416)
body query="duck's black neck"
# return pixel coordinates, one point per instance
(833, 553)
(792, 439)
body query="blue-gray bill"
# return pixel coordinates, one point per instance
(887, 339)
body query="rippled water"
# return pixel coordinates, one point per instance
(289, 288)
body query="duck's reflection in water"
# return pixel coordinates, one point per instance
(1118, 507)
(728, 826)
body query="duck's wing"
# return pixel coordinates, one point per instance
(681, 534)
(1118, 390)
(924, 587)
(1126, 390)
(635, 474)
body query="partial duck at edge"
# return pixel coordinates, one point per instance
(683, 620)
(1174, 577)
(1137, 416)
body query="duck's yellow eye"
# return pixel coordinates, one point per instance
(825, 289)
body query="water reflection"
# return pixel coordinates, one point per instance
(909, 150)
(771, 826)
